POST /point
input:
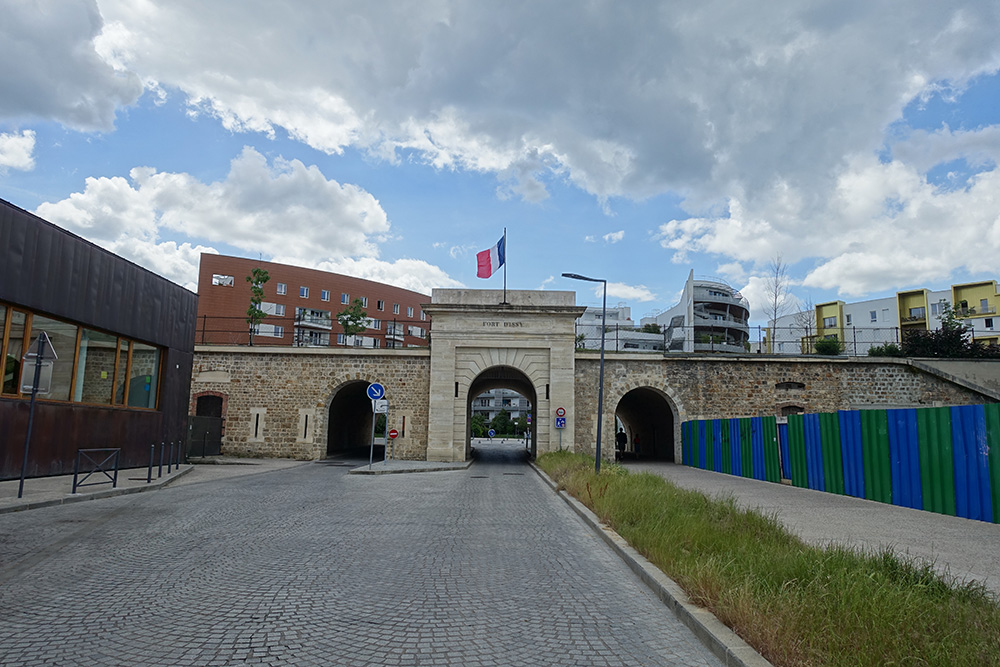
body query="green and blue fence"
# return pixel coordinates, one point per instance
(944, 460)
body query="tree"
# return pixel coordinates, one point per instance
(581, 341)
(479, 425)
(520, 425)
(353, 319)
(502, 423)
(776, 291)
(255, 315)
(652, 328)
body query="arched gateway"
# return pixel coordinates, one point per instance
(485, 339)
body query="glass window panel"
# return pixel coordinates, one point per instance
(63, 338)
(15, 348)
(121, 375)
(144, 375)
(95, 369)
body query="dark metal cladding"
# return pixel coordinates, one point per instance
(50, 271)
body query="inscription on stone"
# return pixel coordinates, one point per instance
(494, 323)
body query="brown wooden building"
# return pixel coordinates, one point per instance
(302, 307)
(124, 337)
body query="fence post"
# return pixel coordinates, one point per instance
(854, 332)
(76, 470)
(149, 472)
(170, 457)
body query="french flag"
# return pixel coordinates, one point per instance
(488, 261)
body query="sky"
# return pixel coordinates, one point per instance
(856, 140)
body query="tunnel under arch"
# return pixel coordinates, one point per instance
(501, 377)
(348, 430)
(649, 414)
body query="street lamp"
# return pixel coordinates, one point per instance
(600, 384)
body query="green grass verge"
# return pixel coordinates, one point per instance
(796, 604)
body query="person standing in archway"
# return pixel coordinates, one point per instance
(635, 446)
(621, 440)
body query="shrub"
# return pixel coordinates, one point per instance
(887, 350)
(830, 346)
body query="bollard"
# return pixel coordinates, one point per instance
(76, 470)
(170, 457)
(159, 472)
(149, 472)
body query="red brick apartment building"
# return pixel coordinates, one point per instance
(302, 307)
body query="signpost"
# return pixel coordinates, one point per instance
(560, 423)
(42, 357)
(491, 433)
(380, 405)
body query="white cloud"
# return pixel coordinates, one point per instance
(626, 292)
(614, 237)
(548, 281)
(590, 239)
(16, 151)
(282, 209)
(59, 74)
(762, 117)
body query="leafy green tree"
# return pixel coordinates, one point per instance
(502, 423)
(255, 315)
(581, 341)
(479, 425)
(830, 346)
(952, 340)
(352, 319)
(520, 425)
(652, 328)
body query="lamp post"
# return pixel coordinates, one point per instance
(600, 382)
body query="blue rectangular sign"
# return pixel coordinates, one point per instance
(560, 422)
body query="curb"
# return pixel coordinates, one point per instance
(109, 493)
(396, 471)
(710, 631)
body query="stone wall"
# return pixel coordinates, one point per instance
(717, 386)
(278, 399)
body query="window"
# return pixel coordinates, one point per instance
(918, 313)
(324, 295)
(279, 309)
(364, 302)
(395, 309)
(345, 298)
(988, 323)
(874, 315)
(145, 370)
(278, 331)
(221, 280)
(829, 322)
(304, 292)
(376, 343)
(847, 319)
(121, 374)
(409, 311)
(937, 309)
(374, 324)
(281, 288)
(380, 304)
(15, 349)
(984, 305)
(95, 373)
(423, 316)
(341, 339)
(63, 338)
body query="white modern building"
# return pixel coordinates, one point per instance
(619, 331)
(490, 403)
(711, 316)
(864, 324)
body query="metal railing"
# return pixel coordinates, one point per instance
(87, 456)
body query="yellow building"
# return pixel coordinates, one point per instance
(977, 303)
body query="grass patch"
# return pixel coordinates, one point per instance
(796, 604)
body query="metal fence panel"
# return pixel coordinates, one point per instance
(772, 463)
(717, 445)
(875, 451)
(725, 447)
(786, 464)
(746, 450)
(937, 467)
(972, 478)
(833, 461)
(797, 451)
(850, 450)
(736, 453)
(992, 417)
(904, 458)
(700, 439)
(814, 452)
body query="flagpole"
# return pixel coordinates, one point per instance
(505, 265)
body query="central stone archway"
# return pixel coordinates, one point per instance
(529, 335)
(501, 377)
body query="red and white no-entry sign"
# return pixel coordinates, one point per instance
(560, 412)
(393, 433)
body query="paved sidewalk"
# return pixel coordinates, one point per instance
(963, 548)
(58, 490)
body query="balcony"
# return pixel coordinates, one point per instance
(313, 321)
(973, 311)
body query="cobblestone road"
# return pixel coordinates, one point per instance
(312, 566)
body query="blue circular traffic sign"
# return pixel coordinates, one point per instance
(491, 433)
(376, 391)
